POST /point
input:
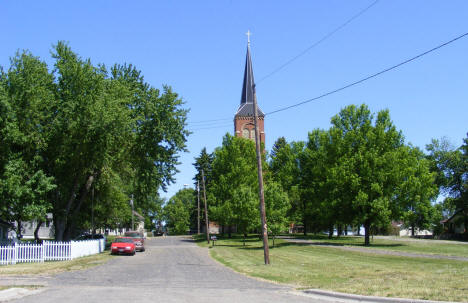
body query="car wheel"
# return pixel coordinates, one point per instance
(133, 253)
(143, 249)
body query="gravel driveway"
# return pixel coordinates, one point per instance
(172, 269)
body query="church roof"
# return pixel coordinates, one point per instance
(246, 108)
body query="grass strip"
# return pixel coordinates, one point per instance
(54, 267)
(432, 247)
(329, 268)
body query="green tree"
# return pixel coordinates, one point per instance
(234, 167)
(26, 95)
(451, 166)
(79, 124)
(417, 190)
(276, 208)
(177, 211)
(285, 168)
(367, 163)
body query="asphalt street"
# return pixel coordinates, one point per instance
(172, 269)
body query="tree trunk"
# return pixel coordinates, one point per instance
(359, 230)
(245, 235)
(330, 231)
(366, 233)
(339, 231)
(19, 227)
(36, 230)
(412, 230)
(346, 230)
(229, 232)
(273, 240)
(305, 227)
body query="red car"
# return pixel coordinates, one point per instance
(123, 246)
(138, 239)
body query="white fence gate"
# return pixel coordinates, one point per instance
(49, 251)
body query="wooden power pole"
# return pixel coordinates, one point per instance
(198, 208)
(266, 251)
(206, 208)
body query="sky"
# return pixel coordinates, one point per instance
(198, 48)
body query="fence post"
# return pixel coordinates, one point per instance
(15, 253)
(43, 247)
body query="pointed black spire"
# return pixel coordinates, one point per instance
(246, 104)
(247, 86)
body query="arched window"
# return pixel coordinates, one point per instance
(245, 133)
(252, 133)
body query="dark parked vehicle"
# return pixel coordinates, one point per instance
(123, 246)
(87, 236)
(138, 239)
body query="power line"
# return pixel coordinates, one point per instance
(206, 121)
(211, 127)
(369, 77)
(318, 42)
(300, 55)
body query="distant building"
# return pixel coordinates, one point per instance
(454, 224)
(244, 117)
(4, 228)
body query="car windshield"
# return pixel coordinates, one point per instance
(133, 234)
(123, 240)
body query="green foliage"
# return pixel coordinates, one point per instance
(234, 171)
(276, 208)
(80, 127)
(177, 211)
(451, 167)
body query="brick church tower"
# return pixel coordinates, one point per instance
(243, 119)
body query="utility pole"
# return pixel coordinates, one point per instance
(266, 252)
(131, 203)
(206, 208)
(198, 209)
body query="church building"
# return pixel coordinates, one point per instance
(244, 117)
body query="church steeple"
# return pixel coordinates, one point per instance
(246, 103)
(243, 119)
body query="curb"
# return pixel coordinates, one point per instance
(17, 293)
(358, 298)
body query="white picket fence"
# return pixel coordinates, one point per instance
(49, 251)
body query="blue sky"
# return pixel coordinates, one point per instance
(198, 48)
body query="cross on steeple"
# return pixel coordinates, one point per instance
(248, 33)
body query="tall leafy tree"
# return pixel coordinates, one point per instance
(276, 208)
(368, 163)
(285, 168)
(451, 166)
(234, 166)
(26, 98)
(79, 123)
(177, 211)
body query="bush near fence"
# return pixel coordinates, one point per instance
(49, 251)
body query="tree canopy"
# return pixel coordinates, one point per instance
(81, 126)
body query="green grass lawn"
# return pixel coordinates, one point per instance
(329, 268)
(54, 267)
(414, 245)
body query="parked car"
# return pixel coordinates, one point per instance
(138, 238)
(87, 236)
(123, 245)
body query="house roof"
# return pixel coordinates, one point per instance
(246, 108)
(452, 217)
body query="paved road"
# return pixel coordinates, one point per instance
(172, 269)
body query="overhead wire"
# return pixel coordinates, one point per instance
(328, 35)
(369, 77)
(357, 82)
